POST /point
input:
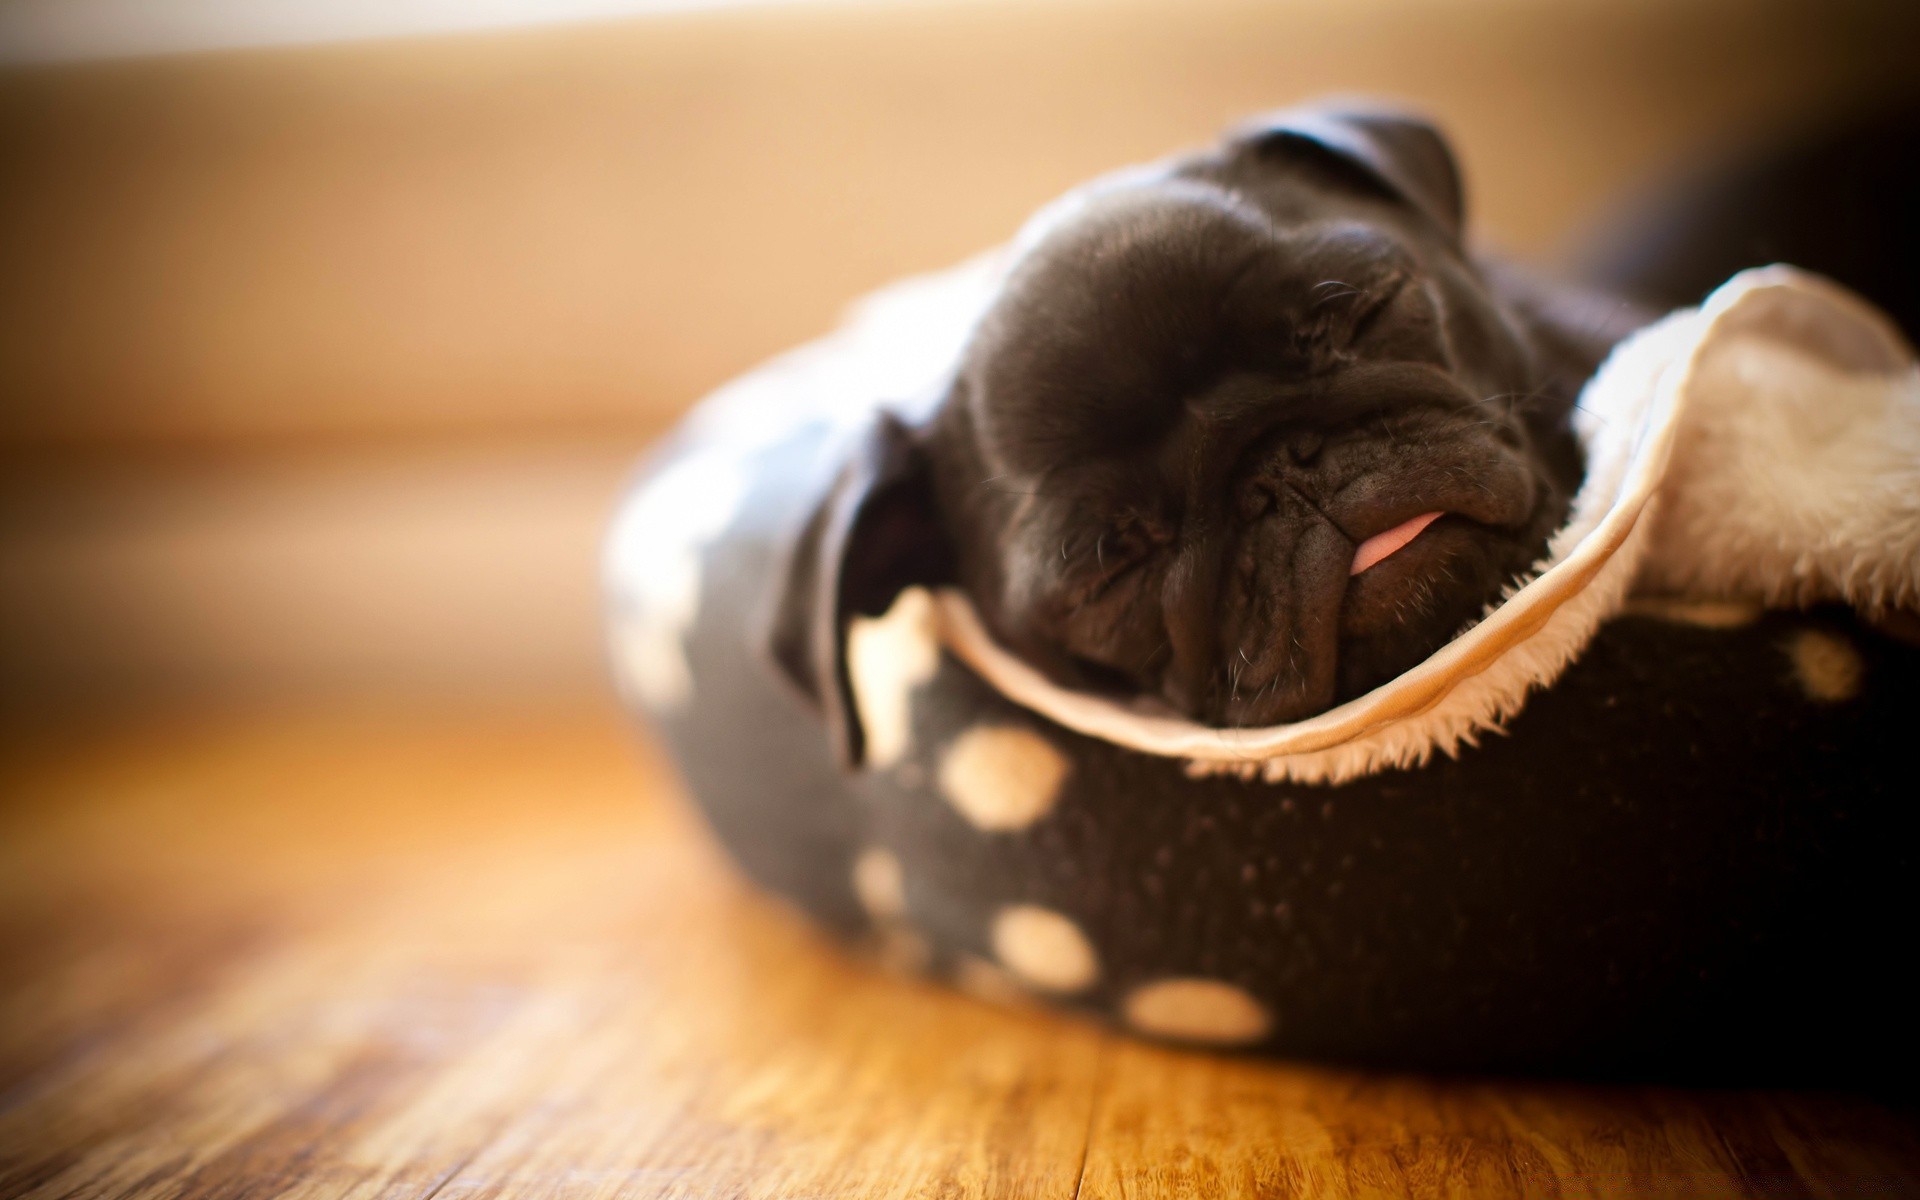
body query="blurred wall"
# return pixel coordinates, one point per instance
(319, 367)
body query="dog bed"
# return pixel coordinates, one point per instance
(1651, 813)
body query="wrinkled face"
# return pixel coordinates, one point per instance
(1246, 438)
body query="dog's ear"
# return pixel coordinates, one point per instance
(1396, 150)
(874, 533)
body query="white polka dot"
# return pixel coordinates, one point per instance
(1705, 614)
(687, 504)
(1044, 949)
(887, 658)
(653, 571)
(1002, 777)
(878, 882)
(1826, 664)
(649, 650)
(1197, 1010)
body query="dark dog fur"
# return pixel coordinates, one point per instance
(1195, 395)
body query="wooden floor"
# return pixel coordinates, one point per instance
(382, 955)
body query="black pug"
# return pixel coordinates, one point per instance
(1248, 434)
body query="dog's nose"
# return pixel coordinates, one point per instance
(1278, 617)
(1189, 604)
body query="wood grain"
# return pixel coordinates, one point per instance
(395, 954)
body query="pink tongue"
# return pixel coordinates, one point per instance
(1382, 545)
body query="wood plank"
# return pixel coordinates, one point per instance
(448, 570)
(1171, 1124)
(388, 954)
(582, 228)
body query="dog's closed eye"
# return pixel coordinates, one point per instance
(1110, 555)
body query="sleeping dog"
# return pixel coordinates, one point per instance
(1242, 435)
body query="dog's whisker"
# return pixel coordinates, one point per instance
(1330, 297)
(1273, 682)
(991, 480)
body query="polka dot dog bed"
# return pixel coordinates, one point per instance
(1651, 813)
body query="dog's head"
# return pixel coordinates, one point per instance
(1250, 433)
